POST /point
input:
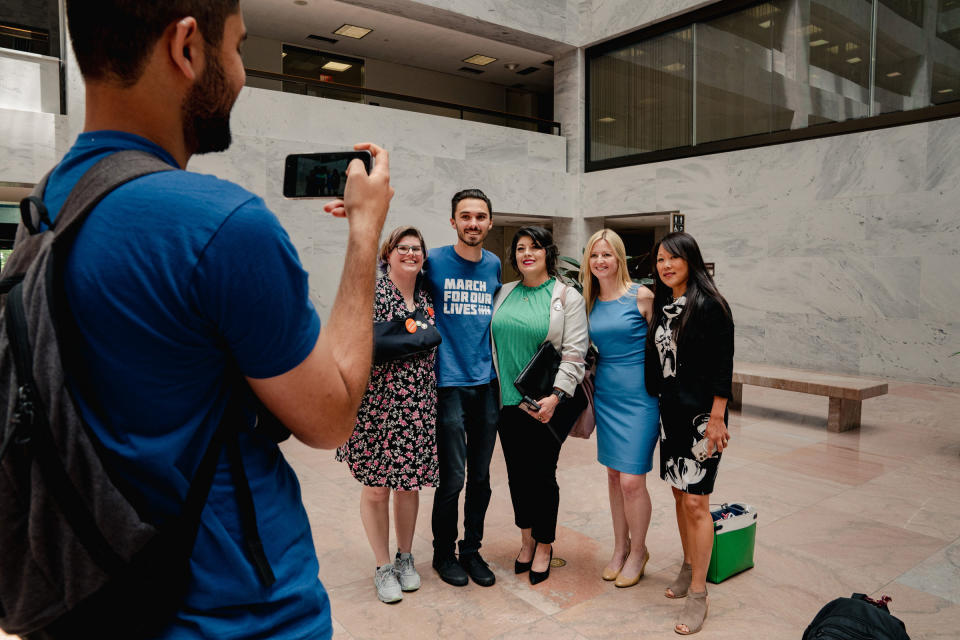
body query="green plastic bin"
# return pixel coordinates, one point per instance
(733, 542)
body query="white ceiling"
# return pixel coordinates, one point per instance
(394, 39)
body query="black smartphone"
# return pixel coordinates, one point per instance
(530, 404)
(320, 175)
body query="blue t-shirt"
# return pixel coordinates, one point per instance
(171, 277)
(463, 293)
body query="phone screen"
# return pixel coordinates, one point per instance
(320, 175)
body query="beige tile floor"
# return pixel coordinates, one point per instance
(876, 510)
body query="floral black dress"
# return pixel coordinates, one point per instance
(682, 423)
(394, 443)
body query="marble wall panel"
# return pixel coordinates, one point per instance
(816, 227)
(939, 286)
(771, 174)
(546, 18)
(568, 104)
(430, 135)
(874, 162)
(694, 183)
(809, 285)
(749, 342)
(62, 137)
(28, 145)
(286, 116)
(913, 224)
(528, 192)
(943, 162)
(735, 232)
(813, 341)
(739, 281)
(547, 153)
(413, 182)
(499, 147)
(620, 191)
(76, 97)
(918, 350)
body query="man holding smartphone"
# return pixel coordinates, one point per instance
(167, 303)
(463, 279)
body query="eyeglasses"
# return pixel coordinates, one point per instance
(404, 249)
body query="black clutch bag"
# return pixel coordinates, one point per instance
(398, 339)
(536, 379)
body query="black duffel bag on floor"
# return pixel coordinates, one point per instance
(856, 618)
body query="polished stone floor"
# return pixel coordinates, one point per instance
(875, 510)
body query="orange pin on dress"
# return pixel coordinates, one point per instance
(410, 325)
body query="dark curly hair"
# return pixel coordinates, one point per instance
(543, 239)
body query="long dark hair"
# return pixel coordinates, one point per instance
(700, 285)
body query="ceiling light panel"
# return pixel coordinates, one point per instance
(479, 59)
(352, 31)
(336, 66)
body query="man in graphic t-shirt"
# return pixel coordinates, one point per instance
(463, 279)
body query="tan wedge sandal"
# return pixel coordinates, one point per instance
(679, 587)
(694, 613)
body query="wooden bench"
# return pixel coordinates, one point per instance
(846, 393)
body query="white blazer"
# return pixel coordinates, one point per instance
(568, 333)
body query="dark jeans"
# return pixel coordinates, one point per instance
(466, 435)
(531, 449)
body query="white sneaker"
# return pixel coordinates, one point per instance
(388, 589)
(406, 572)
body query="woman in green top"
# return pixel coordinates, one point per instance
(526, 313)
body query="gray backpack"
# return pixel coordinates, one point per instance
(77, 559)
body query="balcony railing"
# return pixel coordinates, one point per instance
(374, 97)
(30, 82)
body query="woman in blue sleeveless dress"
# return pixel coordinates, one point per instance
(628, 418)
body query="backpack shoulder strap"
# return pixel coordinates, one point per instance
(106, 175)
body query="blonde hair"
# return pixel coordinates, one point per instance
(591, 287)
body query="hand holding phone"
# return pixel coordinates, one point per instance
(702, 450)
(321, 175)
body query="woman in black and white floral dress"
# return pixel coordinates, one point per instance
(689, 364)
(393, 448)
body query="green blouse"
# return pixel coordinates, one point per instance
(519, 328)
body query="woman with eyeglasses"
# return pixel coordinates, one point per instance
(526, 313)
(393, 449)
(689, 364)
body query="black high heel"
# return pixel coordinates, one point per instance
(522, 567)
(536, 577)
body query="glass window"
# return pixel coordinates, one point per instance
(835, 44)
(736, 78)
(31, 25)
(769, 69)
(640, 97)
(945, 54)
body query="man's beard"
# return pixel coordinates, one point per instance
(206, 109)
(465, 239)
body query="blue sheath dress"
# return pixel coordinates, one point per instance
(628, 418)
